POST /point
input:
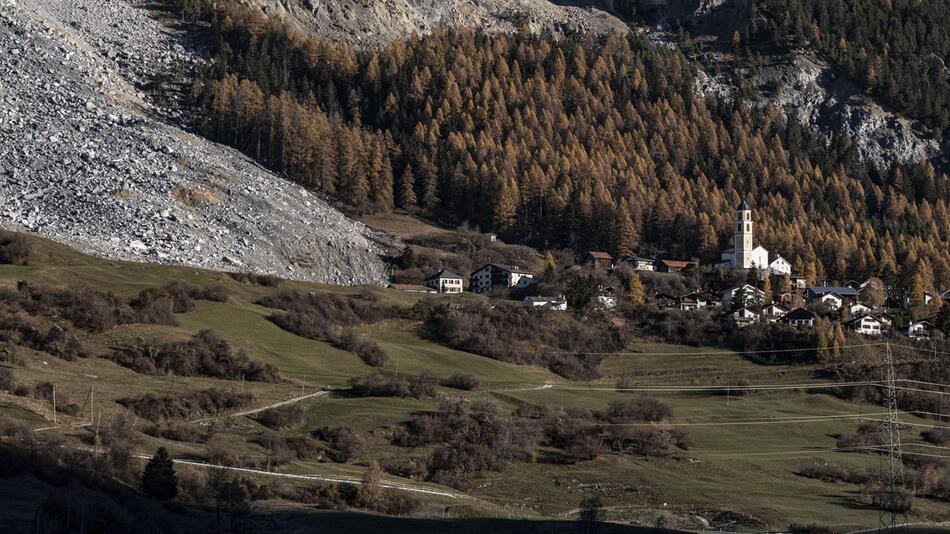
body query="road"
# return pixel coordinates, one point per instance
(321, 478)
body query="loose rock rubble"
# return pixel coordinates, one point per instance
(377, 22)
(84, 161)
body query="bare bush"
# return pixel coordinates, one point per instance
(463, 381)
(187, 405)
(205, 354)
(15, 250)
(343, 442)
(281, 418)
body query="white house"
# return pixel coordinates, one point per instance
(918, 330)
(744, 255)
(773, 312)
(744, 317)
(546, 303)
(779, 265)
(832, 300)
(639, 264)
(494, 276)
(444, 282)
(867, 325)
(798, 282)
(858, 310)
(748, 294)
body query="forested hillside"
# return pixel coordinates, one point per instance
(895, 49)
(585, 144)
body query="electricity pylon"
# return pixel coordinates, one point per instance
(892, 514)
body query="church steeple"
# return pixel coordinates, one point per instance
(743, 239)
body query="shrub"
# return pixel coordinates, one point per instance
(205, 354)
(643, 408)
(258, 279)
(15, 250)
(375, 385)
(462, 381)
(366, 349)
(185, 406)
(829, 472)
(406, 467)
(282, 417)
(937, 436)
(343, 442)
(521, 335)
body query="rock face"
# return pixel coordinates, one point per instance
(83, 159)
(821, 98)
(377, 22)
(830, 104)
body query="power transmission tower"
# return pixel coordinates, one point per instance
(893, 514)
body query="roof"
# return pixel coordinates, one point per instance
(773, 256)
(635, 258)
(509, 268)
(600, 255)
(678, 263)
(444, 274)
(744, 206)
(863, 318)
(798, 314)
(841, 291)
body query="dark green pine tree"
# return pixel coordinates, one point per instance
(159, 480)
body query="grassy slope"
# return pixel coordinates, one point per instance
(716, 475)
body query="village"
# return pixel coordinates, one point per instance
(768, 291)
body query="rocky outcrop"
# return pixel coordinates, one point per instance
(377, 22)
(83, 159)
(797, 81)
(832, 105)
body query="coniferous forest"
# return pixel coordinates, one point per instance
(580, 143)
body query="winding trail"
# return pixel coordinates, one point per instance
(253, 411)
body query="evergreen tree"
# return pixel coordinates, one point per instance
(158, 479)
(767, 289)
(634, 290)
(407, 189)
(942, 322)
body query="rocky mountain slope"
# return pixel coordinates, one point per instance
(820, 95)
(84, 160)
(377, 22)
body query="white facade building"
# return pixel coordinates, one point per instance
(444, 282)
(744, 254)
(867, 325)
(494, 276)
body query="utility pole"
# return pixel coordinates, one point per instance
(54, 404)
(892, 515)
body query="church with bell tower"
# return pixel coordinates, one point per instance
(744, 254)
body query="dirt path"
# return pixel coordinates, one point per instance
(287, 402)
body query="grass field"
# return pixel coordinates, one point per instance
(746, 449)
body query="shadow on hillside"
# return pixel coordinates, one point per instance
(358, 523)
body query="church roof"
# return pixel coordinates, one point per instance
(744, 206)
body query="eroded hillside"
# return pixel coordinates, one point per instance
(84, 161)
(377, 22)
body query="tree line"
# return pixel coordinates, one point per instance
(582, 143)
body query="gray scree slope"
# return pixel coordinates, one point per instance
(83, 161)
